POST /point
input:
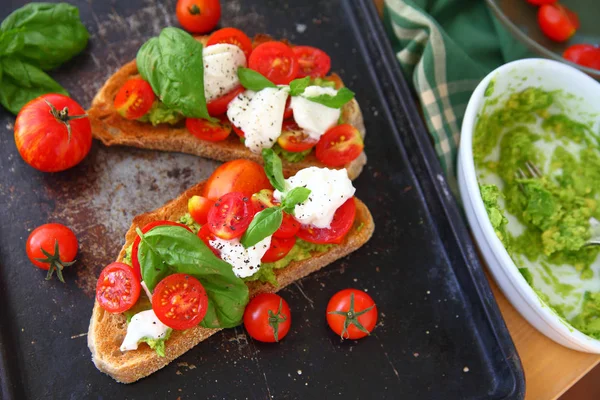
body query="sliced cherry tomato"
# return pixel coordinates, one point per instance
(135, 263)
(557, 22)
(180, 301)
(339, 145)
(340, 225)
(43, 137)
(352, 314)
(242, 176)
(52, 247)
(541, 2)
(134, 99)
(232, 36)
(198, 16)
(584, 54)
(312, 62)
(198, 207)
(238, 131)
(206, 130)
(276, 61)
(294, 139)
(279, 248)
(206, 236)
(219, 105)
(289, 226)
(267, 318)
(231, 215)
(118, 289)
(288, 113)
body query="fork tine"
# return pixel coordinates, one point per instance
(533, 170)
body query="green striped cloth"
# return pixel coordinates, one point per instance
(445, 47)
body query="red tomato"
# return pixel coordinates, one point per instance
(340, 225)
(206, 130)
(218, 106)
(238, 131)
(289, 226)
(541, 2)
(52, 247)
(288, 113)
(312, 62)
(53, 133)
(279, 248)
(206, 235)
(242, 176)
(557, 22)
(198, 207)
(267, 318)
(180, 301)
(135, 263)
(118, 289)
(230, 216)
(294, 139)
(352, 314)
(339, 145)
(584, 54)
(198, 16)
(276, 61)
(232, 36)
(134, 99)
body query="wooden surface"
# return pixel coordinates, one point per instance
(550, 369)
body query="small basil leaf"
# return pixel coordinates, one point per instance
(343, 96)
(295, 196)
(297, 86)
(253, 80)
(274, 169)
(264, 224)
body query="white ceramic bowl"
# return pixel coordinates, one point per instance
(518, 75)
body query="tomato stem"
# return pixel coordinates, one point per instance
(64, 117)
(194, 10)
(352, 318)
(276, 319)
(55, 263)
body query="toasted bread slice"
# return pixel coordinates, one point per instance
(112, 129)
(107, 331)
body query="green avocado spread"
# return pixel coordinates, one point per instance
(554, 206)
(161, 114)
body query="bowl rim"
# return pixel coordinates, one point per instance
(507, 265)
(532, 44)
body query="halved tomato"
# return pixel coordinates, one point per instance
(118, 289)
(135, 263)
(312, 62)
(180, 301)
(294, 139)
(206, 130)
(134, 99)
(339, 145)
(219, 105)
(584, 54)
(288, 113)
(264, 199)
(557, 22)
(245, 176)
(238, 131)
(279, 248)
(198, 207)
(232, 36)
(340, 225)
(276, 61)
(230, 216)
(206, 236)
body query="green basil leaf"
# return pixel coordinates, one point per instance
(167, 249)
(47, 34)
(253, 80)
(11, 42)
(22, 82)
(295, 196)
(343, 96)
(297, 86)
(274, 169)
(172, 64)
(264, 224)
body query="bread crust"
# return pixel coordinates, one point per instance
(113, 130)
(107, 331)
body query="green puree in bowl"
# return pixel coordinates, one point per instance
(554, 209)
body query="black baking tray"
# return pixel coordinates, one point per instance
(440, 334)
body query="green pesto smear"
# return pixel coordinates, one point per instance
(554, 208)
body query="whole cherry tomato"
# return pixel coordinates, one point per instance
(267, 318)
(352, 314)
(198, 16)
(52, 247)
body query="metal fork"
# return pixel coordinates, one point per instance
(531, 171)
